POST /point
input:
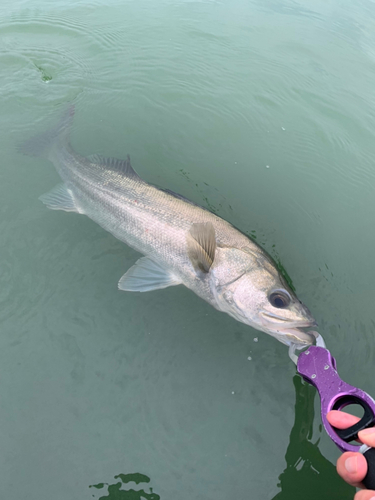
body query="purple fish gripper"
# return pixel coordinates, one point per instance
(318, 367)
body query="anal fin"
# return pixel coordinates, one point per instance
(147, 275)
(60, 198)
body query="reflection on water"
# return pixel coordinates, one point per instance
(308, 472)
(115, 491)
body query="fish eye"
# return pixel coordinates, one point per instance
(279, 299)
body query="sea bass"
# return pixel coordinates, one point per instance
(182, 243)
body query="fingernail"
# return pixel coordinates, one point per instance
(368, 432)
(351, 465)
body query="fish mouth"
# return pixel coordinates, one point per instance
(290, 332)
(296, 336)
(285, 323)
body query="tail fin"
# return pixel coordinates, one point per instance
(42, 144)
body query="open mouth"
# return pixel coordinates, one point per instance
(285, 323)
(287, 331)
(297, 335)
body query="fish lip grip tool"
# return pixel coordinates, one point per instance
(318, 367)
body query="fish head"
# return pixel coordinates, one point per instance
(249, 287)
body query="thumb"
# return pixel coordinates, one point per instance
(352, 467)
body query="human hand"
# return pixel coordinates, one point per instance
(352, 466)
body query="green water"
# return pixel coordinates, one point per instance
(263, 111)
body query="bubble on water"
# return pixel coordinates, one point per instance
(256, 339)
(282, 128)
(249, 358)
(267, 166)
(232, 392)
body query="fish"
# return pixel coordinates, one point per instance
(181, 242)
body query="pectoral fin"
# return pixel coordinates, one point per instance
(201, 246)
(60, 198)
(147, 275)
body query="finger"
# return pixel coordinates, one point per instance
(367, 436)
(341, 420)
(365, 495)
(352, 467)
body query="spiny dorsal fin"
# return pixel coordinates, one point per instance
(201, 245)
(123, 166)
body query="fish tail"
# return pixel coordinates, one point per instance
(42, 144)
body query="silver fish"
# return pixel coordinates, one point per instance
(182, 243)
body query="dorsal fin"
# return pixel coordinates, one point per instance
(181, 197)
(201, 245)
(123, 166)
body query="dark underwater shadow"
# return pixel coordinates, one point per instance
(308, 474)
(116, 493)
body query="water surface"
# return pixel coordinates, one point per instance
(262, 111)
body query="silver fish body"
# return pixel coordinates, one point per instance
(182, 242)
